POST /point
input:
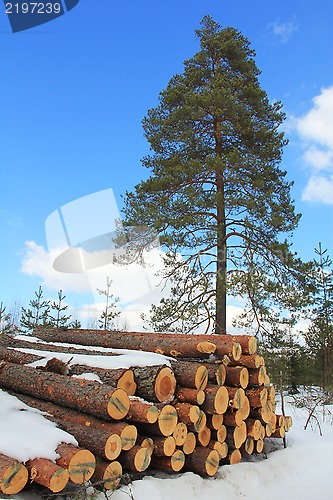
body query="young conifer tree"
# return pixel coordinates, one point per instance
(216, 195)
(58, 317)
(37, 314)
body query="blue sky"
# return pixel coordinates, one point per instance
(74, 92)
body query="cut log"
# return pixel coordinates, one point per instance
(90, 397)
(189, 444)
(155, 383)
(233, 418)
(171, 464)
(221, 448)
(247, 448)
(254, 428)
(248, 343)
(288, 421)
(236, 436)
(180, 433)
(204, 436)
(187, 412)
(257, 396)
(189, 395)
(136, 459)
(13, 475)
(128, 433)
(146, 442)
(216, 400)
(237, 376)
(220, 434)
(248, 360)
(79, 462)
(264, 414)
(123, 378)
(215, 420)
(190, 374)
(164, 446)
(108, 473)
(142, 412)
(234, 457)
(203, 461)
(216, 372)
(245, 408)
(185, 345)
(257, 376)
(279, 433)
(48, 474)
(236, 397)
(166, 423)
(101, 443)
(259, 445)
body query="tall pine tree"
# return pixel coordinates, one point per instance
(216, 195)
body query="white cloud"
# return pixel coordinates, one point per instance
(315, 128)
(38, 262)
(284, 30)
(319, 189)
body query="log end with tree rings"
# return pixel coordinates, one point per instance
(127, 382)
(142, 459)
(180, 433)
(147, 442)
(165, 385)
(167, 420)
(118, 404)
(236, 351)
(189, 444)
(13, 475)
(201, 378)
(234, 457)
(206, 347)
(80, 463)
(204, 436)
(109, 473)
(128, 437)
(113, 447)
(221, 400)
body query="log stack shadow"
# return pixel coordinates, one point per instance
(210, 405)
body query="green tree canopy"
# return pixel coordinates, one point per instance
(216, 195)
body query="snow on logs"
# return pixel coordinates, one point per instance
(209, 405)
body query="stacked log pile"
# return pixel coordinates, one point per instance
(210, 405)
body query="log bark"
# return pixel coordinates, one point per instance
(171, 464)
(237, 376)
(83, 395)
(127, 432)
(217, 399)
(155, 383)
(184, 345)
(190, 374)
(203, 461)
(79, 462)
(99, 442)
(18, 357)
(257, 396)
(108, 473)
(13, 475)
(257, 376)
(189, 395)
(136, 459)
(48, 474)
(123, 378)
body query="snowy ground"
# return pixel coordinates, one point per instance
(302, 471)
